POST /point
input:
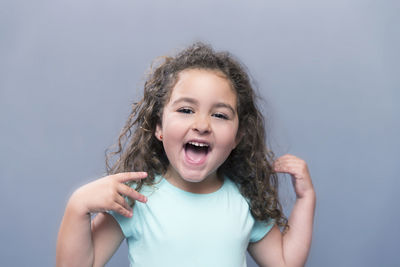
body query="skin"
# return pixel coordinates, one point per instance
(202, 107)
(85, 243)
(292, 248)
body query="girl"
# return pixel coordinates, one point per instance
(193, 183)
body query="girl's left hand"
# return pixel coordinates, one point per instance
(298, 169)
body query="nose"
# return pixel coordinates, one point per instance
(201, 124)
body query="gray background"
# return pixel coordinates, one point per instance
(328, 72)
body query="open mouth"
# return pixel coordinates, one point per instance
(196, 152)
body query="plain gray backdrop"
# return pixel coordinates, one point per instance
(328, 72)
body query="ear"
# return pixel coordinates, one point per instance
(158, 132)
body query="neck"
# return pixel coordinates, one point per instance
(209, 184)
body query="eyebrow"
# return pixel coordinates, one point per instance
(194, 101)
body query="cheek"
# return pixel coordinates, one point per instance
(227, 138)
(174, 128)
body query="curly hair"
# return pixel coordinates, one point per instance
(249, 165)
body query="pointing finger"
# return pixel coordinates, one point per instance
(129, 176)
(131, 193)
(121, 201)
(121, 209)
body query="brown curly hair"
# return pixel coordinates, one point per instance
(249, 165)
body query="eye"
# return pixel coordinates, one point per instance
(221, 116)
(185, 110)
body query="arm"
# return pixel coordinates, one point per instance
(85, 243)
(292, 248)
(107, 237)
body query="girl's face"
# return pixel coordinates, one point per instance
(199, 125)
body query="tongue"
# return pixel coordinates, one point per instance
(196, 155)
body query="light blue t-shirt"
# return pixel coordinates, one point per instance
(178, 228)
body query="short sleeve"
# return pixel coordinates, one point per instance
(260, 229)
(129, 225)
(124, 223)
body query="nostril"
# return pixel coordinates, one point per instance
(202, 126)
(202, 130)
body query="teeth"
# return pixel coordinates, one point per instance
(198, 144)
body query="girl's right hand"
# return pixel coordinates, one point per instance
(107, 194)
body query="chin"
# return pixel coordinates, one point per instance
(194, 177)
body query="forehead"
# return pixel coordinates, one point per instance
(203, 84)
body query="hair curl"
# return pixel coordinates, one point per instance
(249, 165)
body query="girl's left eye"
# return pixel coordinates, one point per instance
(220, 116)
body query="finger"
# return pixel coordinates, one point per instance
(122, 201)
(297, 170)
(129, 176)
(122, 210)
(131, 193)
(287, 158)
(289, 164)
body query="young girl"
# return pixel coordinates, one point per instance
(193, 183)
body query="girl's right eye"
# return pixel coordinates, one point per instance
(185, 110)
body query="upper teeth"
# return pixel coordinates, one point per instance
(198, 144)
